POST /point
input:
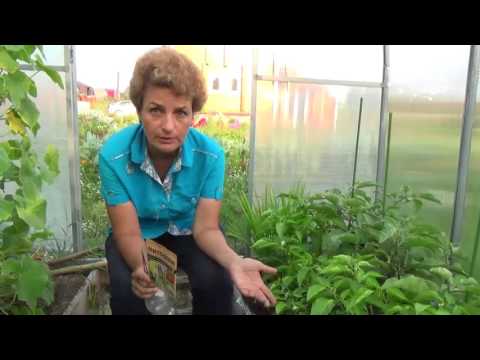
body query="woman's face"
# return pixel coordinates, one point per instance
(166, 119)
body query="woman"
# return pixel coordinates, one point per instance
(163, 180)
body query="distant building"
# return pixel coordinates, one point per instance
(228, 89)
(85, 92)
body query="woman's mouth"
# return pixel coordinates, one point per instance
(166, 140)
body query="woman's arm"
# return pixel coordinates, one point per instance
(126, 233)
(209, 237)
(128, 238)
(245, 273)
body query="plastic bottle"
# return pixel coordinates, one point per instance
(160, 304)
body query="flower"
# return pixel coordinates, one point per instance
(201, 122)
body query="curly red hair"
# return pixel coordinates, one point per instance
(167, 68)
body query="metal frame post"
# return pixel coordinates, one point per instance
(253, 123)
(465, 144)
(73, 147)
(382, 127)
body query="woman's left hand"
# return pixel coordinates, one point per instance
(245, 273)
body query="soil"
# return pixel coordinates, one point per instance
(66, 287)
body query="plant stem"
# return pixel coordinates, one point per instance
(357, 143)
(387, 160)
(72, 256)
(80, 268)
(475, 249)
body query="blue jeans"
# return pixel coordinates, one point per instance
(211, 285)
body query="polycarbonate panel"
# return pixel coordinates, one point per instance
(54, 55)
(427, 94)
(472, 205)
(306, 134)
(334, 62)
(52, 105)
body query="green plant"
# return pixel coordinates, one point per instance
(94, 128)
(234, 141)
(24, 282)
(344, 253)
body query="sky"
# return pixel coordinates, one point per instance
(97, 65)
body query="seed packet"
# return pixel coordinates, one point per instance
(161, 267)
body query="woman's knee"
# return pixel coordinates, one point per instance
(211, 277)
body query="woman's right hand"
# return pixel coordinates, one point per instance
(142, 285)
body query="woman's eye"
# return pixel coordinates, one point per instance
(155, 111)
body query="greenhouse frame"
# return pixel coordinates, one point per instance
(280, 89)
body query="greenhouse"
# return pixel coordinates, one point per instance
(349, 169)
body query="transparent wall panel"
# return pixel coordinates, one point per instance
(306, 134)
(52, 104)
(54, 55)
(427, 94)
(338, 62)
(472, 205)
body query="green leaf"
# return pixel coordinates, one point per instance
(365, 264)
(397, 309)
(397, 294)
(280, 307)
(15, 122)
(7, 62)
(322, 306)
(280, 229)
(6, 209)
(264, 244)
(52, 74)
(34, 214)
(428, 296)
(314, 291)
(444, 273)
(287, 280)
(335, 270)
(343, 259)
(331, 242)
(388, 231)
(332, 198)
(27, 169)
(441, 312)
(30, 190)
(32, 281)
(422, 242)
(371, 282)
(29, 113)
(420, 308)
(14, 48)
(413, 284)
(360, 295)
(40, 48)
(32, 90)
(15, 238)
(418, 204)
(45, 234)
(18, 85)
(429, 197)
(366, 184)
(47, 175)
(302, 274)
(12, 266)
(51, 159)
(4, 161)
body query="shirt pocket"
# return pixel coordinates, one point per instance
(183, 204)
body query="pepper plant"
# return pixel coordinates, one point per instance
(25, 283)
(342, 252)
